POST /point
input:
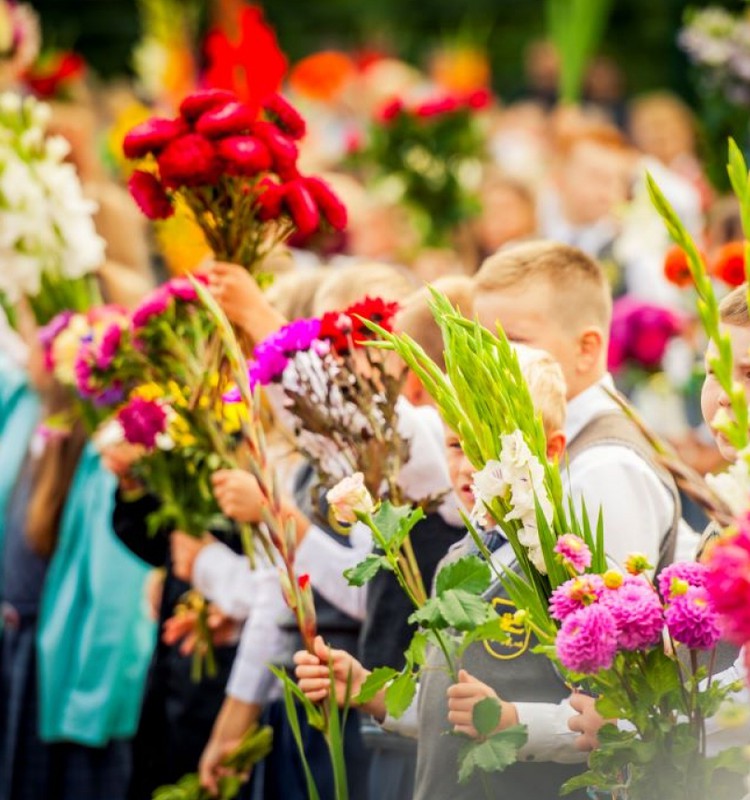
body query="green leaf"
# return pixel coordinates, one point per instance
(486, 716)
(491, 755)
(416, 653)
(463, 611)
(470, 573)
(376, 680)
(396, 522)
(366, 570)
(399, 695)
(430, 615)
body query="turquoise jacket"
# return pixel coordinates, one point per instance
(94, 640)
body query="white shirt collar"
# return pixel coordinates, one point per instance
(588, 404)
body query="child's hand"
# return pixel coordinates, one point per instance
(587, 722)
(238, 494)
(464, 695)
(185, 549)
(183, 628)
(119, 459)
(313, 676)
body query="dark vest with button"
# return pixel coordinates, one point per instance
(337, 628)
(517, 675)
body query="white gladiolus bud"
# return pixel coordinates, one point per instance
(350, 497)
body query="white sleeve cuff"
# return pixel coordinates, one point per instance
(408, 723)
(225, 578)
(549, 738)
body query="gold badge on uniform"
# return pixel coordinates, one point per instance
(517, 638)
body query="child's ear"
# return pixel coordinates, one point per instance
(590, 347)
(414, 391)
(555, 445)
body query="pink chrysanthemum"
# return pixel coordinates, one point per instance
(108, 346)
(692, 619)
(155, 304)
(728, 584)
(575, 594)
(573, 552)
(691, 572)
(142, 421)
(638, 613)
(587, 641)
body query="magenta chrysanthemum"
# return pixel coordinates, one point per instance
(273, 354)
(154, 305)
(691, 572)
(575, 594)
(142, 421)
(728, 584)
(638, 613)
(587, 641)
(108, 346)
(573, 552)
(692, 619)
(50, 332)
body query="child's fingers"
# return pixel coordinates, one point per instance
(460, 718)
(467, 730)
(312, 671)
(303, 657)
(462, 690)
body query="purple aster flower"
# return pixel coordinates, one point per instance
(692, 572)
(298, 336)
(154, 305)
(573, 552)
(575, 594)
(142, 421)
(692, 619)
(638, 613)
(587, 641)
(270, 362)
(108, 346)
(110, 396)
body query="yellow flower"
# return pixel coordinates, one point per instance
(234, 416)
(148, 391)
(65, 349)
(181, 241)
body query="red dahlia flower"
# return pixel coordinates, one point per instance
(244, 155)
(374, 309)
(197, 103)
(302, 207)
(190, 160)
(270, 200)
(150, 195)
(228, 120)
(332, 209)
(283, 149)
(286, 116)
(152, 136)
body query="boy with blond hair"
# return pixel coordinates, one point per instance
(525, 683)
(554, 297)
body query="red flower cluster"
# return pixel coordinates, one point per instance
(50, 75)
(215, 137)
(344, 329)
(729, 264)
(437, 106)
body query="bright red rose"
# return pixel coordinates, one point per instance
(190, 160)
(332, 209)
(152, 136)
(150, 195)
(270, 201)
(283, 149)
(230, 119)
(286, 116)
(390, 110)
(302, 207)
(197, 103)
(244, 155)
(434, 108)
(729, 265)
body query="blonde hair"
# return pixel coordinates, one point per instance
(292, 294)
(416, 320)
(733, 308)
(581, 292)
(546, 383)
(345, 286)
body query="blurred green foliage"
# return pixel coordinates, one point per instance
(640, 35)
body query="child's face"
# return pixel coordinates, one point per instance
(714, 398)
(505, 216)
(592, 181)
(527, 318)
(460, 470)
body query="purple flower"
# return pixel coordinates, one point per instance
(573, 552)
(638, 613)
(50, 332)
(156, 303)
(108, 346)
(587, 641)
(692, 572)
(142, 421)
(182, 289)
(575, 594)
(692, 619)
(640, 332)
(82, 369)
(270, 362)
(110, 396)
(298, 336)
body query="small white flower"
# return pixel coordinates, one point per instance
(733, 486)
(489, 482)
(350, 497)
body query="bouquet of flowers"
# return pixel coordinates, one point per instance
(48, 243)
(428, 155)
(717, 42)
(234, 166)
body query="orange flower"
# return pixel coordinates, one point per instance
(461, 68)
(676, 268)
(729, 264)
(322, 76)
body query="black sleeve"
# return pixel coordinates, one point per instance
(129, 523)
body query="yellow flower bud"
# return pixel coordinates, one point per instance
(612, 579)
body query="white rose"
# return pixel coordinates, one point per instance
(350, 497)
